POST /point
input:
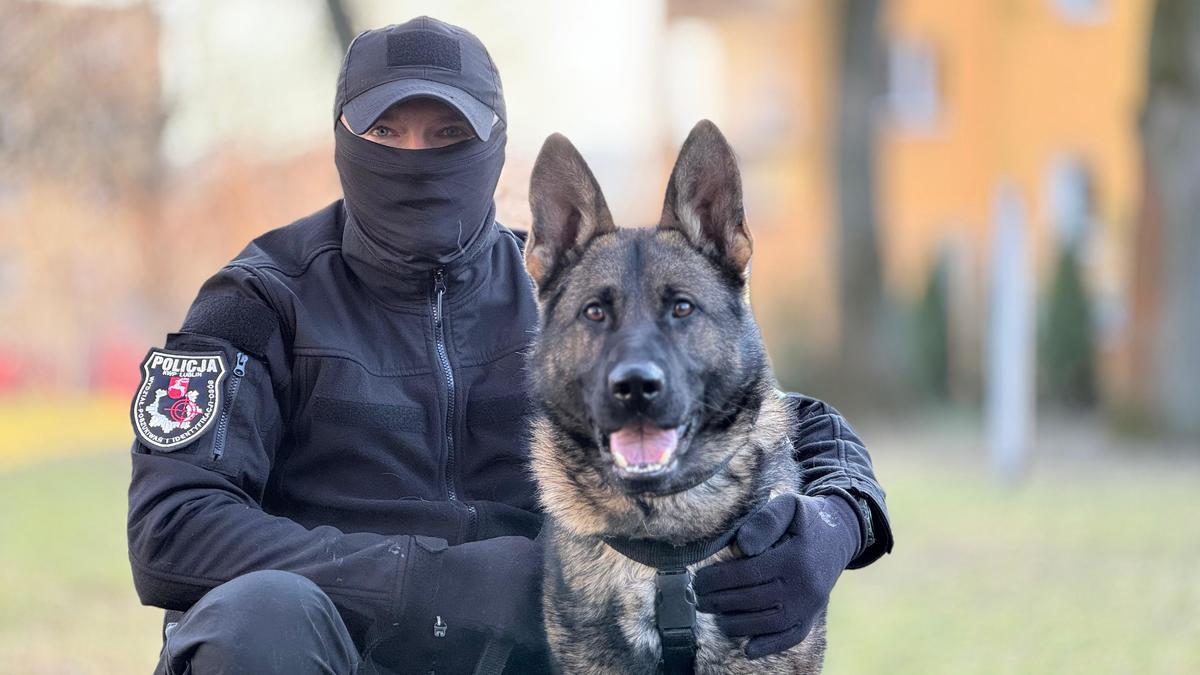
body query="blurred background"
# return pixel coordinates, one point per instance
(976, 223)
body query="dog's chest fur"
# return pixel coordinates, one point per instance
(599, 604)
(600, 618)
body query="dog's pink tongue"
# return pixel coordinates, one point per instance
(643, 444)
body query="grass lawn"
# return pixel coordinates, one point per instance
(66, 597)
(1099, 573)
(1088, 567)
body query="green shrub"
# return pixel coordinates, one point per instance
(931, 329)
(1066, 355)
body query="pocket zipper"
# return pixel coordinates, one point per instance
(239, 371)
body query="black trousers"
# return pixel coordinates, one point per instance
(261, 623)
(279, 622)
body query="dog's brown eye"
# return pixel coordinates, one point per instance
(594, 312)
(682, 308)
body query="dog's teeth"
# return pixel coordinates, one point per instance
(642, 468)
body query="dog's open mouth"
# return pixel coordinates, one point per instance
(642, 450)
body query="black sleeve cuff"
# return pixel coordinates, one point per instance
(877, 533)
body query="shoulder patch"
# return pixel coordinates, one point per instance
(179, 398)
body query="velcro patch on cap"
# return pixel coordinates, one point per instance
(424, 48)
(179, 398)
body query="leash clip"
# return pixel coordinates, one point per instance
(675, 616)
(676, 600)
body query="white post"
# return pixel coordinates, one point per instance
(1010, 340)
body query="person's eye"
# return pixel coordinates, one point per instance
(454, 132)
(380, 131)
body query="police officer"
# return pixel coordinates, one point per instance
(328, 475)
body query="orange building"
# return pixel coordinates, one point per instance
(1043, 95)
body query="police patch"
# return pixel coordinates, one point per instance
(179, 398)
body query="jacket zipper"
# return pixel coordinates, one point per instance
(239, 371)
(439, 285)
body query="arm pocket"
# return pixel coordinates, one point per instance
(204, 401)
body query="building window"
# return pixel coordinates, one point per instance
(1070, 195)
(913, 92)
(1082, 11)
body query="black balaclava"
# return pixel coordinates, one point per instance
(412, 211)
(417, 210)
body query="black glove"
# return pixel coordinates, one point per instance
(493, 586)
(797, 547)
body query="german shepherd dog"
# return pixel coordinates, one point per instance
(659, 419)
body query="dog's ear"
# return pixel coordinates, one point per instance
(704, 199)
(568, 209)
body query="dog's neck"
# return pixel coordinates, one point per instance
(664, 555)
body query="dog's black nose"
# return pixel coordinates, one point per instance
(636, 384)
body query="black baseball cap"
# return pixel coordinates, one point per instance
(423, 57)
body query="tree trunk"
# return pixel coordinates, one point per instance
(340, 18)
(859, 286)
(1171, 137)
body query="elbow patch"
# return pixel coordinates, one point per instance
(243, 322)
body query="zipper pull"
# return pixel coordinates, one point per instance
(240, 368)
(439, 285)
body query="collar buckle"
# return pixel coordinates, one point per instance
(675, 616)
(675, 602)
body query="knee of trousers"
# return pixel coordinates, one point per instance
(268, 616)
(255, 601)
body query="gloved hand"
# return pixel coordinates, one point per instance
(797, 546)
(492, 585)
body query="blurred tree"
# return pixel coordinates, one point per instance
(90, 115)
(932, 319)
(1066, 362)
(863, 352)
(1166, 304)
(339, 16)
(81, 225)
